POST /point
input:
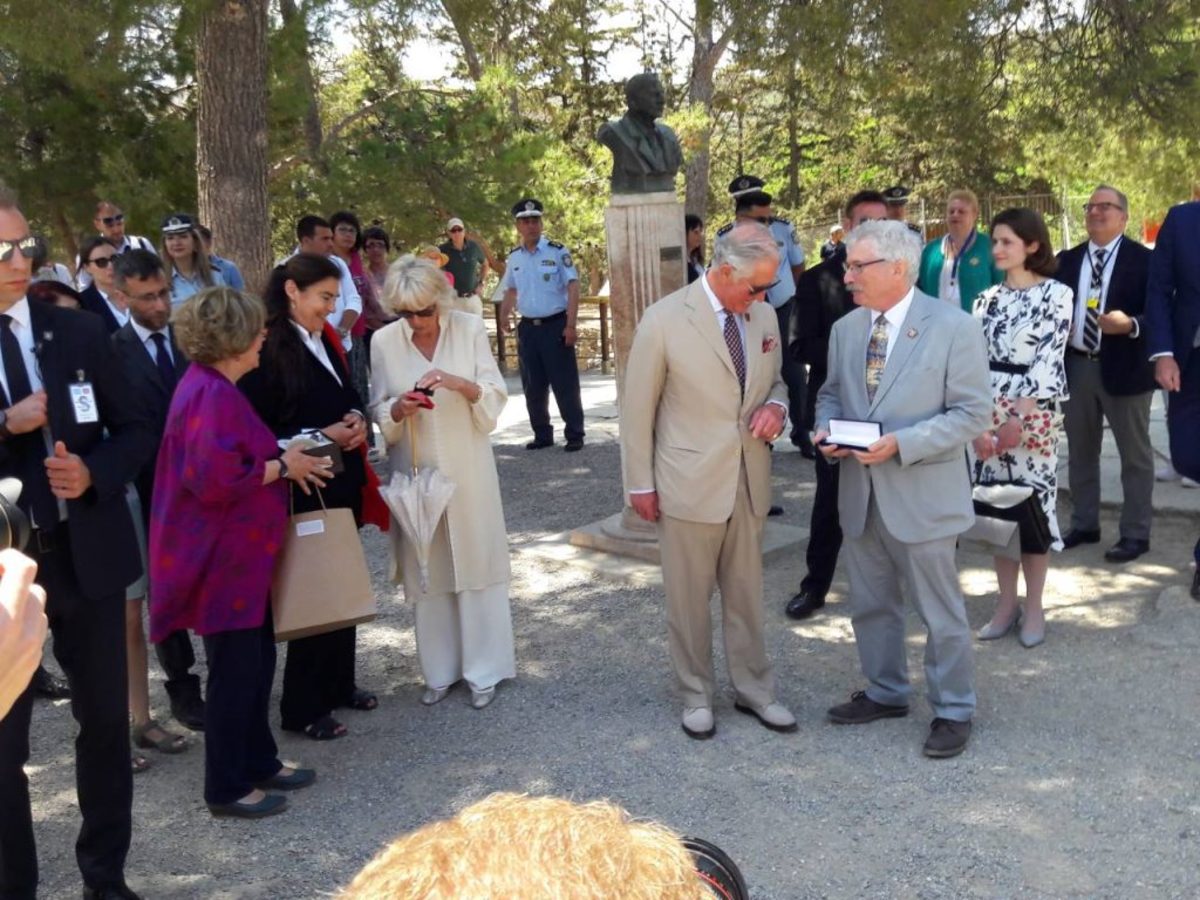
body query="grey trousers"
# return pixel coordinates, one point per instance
(1129, 419)
(878, 564)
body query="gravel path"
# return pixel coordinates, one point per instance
(1082, 778)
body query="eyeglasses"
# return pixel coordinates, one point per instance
(164, 295)
(346, 229)
(1100, 207)
(28, 246)
(762, 288)
(103, 262)
(454, 229)
(371, 245)
(419, 313)
(856, 268)
(110, 221)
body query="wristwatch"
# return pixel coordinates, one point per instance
(283, 470)
(5, 434)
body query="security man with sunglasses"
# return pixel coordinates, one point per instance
(109, 221)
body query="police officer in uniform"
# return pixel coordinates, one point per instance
(540, 281)
(896, 198)
(752, 203)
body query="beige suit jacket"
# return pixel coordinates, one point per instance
(684, 421)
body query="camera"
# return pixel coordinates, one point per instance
(14, 524)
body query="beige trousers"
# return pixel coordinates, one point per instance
(696, 557)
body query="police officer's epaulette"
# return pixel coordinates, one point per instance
(555, 244)
(514, 250)
(725, 229)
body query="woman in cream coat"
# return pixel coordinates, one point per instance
(463, 622)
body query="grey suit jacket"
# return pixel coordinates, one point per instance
(935, 396)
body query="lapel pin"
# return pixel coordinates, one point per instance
(912, 332)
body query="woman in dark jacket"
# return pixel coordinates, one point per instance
(303, 387)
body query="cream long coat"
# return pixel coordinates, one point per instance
(684, 420)
(452, 437)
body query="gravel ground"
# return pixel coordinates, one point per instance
(1082, 777)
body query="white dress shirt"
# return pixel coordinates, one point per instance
(723, 314)
(146, 336)
(894, 318)
(317, 348)
(1083, 289)
(121, 315)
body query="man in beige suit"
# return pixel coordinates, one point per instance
(702, 397)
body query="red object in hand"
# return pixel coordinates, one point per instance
(422, 400)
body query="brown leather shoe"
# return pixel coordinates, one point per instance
(862, 709)
(947, 738)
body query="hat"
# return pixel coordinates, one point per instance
(834, 229)
(745, 184)
(178, 223)
(527, 208)
(896, 194)
(433, 254)
(455, 223)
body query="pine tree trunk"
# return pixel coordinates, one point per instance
(231, 133)
(706, 54)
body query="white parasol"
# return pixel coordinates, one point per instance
(418, 500)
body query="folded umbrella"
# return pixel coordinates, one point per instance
(418, 499)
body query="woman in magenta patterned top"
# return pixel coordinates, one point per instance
(217, 523)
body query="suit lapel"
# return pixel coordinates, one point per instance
(910, 333)
(858, 323)
(754, 355)
(704, 320)
(46, 352)
(136, 351)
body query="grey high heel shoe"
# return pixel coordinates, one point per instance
(990, 632)
(1032, 638)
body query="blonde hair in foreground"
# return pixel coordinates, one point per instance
(218, 323)
(510, 846)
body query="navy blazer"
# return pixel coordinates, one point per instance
(1173, 290)
(152, 392)
(92, 300)
(1125, 369)
(71, 346)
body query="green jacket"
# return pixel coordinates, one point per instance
(975, 272)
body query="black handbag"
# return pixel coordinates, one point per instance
(1021, 508)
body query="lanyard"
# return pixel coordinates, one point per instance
(970, 242)
(1112, 254)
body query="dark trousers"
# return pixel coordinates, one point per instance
(89, 644)
(549, 364)
(825, 531)
(793, 376)
(318, 677)
(1183, 423)
(176, 656)
(239, 749)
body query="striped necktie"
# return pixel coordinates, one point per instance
(1091, 316)
(876, 356)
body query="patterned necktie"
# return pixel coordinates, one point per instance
(733, 340)
(162, 359)
(876, 356)
(1091, 315)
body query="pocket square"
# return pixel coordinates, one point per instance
(769, 344)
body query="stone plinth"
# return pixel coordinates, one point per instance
(779, 540)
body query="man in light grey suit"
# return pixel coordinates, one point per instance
(918, 367)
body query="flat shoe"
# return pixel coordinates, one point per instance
(698, 723)
(434, 695)
(298, 779)
(774, 716)
(480, 699)
(169, 743)
(267, 806)
(364, 701)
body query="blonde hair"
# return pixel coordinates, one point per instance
(966, 195)
(413, 283)
(201, 263)
(218, 323)
(512, 845)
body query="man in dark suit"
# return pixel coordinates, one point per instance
(1173, 337)
(822, 299)
(154, 364)
(71, 431)
(1108, 375)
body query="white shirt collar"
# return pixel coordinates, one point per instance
(145, 334)
(307, 336)
(717, 306)
(895, 316)
(19, 312)
(1107, 248)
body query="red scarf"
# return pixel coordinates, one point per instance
(374, 509)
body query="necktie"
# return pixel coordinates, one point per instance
(876, 356)
(733, 340)
(162, 359)
(36, 496)
(1091, 316)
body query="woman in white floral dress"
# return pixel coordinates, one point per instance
(1026, 320)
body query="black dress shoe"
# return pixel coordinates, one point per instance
(1126, 549)
(775, 510)
(112, 892)
(188, 711)
(1075, 537)
(805, 446)
(269, 805)
(538, 445)
(947, 738)
(1196, 585)
(50, 686)
(300, 778)
(574, 446)
(862, 709)
(804, 604)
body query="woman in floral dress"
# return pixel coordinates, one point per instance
(1026, 320)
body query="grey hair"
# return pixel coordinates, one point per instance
(744, 245)
(1122, 200)
(414, 282)
(893, 241)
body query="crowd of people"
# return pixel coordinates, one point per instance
(162, 443)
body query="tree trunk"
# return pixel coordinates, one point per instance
(706, 53)
(313, 139)
(231, 133)
(460, 17)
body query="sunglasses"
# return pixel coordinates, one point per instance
(113, 220)
(419, 313)
(762, 288)
(103, 262)
(28, 246)
(454, 229)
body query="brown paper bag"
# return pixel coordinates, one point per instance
(321, 581)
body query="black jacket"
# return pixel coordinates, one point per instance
(1125, 368)
(821, 299)
(92, 300)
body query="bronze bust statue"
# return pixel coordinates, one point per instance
(646, 153)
